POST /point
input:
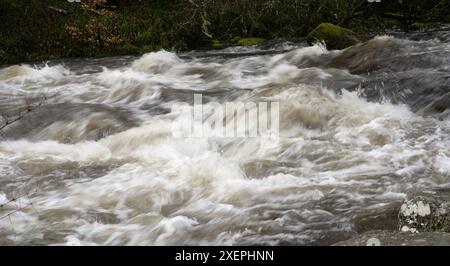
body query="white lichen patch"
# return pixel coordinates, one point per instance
(425, 214)
(423, 209)
(413, 209)
(408, 229)
(408, 209)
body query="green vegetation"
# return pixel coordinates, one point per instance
(335, 37)
(421, 26)
(216, 44)
(250, 41)
(46, 29)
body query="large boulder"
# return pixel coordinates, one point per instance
(393, 238)
(424, 220)
(426, 212)
(335, 37)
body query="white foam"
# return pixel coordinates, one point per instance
(156, 62)
(20, 74)
(337, 154)
(3, 198)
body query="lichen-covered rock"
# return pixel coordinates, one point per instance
(393, 238)
(425, 212)
(335, 37)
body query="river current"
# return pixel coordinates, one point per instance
(89, 156)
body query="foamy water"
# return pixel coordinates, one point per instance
(98, 162)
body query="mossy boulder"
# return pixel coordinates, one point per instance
(235, 40)
(216, 44)
(335, 37)
(250, 41)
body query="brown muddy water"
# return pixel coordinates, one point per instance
(95, 162)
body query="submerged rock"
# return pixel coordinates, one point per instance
(393, 238)
(69, 122)
(424, 220)
(426, 212)
(335, 37)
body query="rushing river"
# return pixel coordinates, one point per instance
(90, 157)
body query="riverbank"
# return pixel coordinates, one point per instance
(96, 28)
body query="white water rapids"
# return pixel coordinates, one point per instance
(97, 163)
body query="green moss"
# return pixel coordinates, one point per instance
(250, 41)
(420, 26)
(148, 49)
(235, 40)
(216, 44)
(335, 37)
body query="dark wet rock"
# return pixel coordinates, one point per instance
(426, 212)
(400, 72)
(426, 93)
(393, 238)
(369, 56)
(335, 37)
(390, 54)
(385, 218)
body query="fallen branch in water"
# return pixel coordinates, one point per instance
(29, 108)
(20, 208)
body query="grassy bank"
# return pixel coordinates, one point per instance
(46, 29)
